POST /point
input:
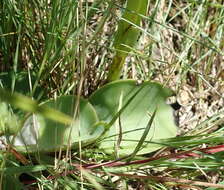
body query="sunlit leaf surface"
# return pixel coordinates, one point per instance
(135, 117)
(42, 134)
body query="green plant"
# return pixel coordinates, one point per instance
(66, 47)
(127, 35)
(132, 121)
(40, 134)
(130, 104)
(8, 121)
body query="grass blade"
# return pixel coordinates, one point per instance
(144, 135)
(29, 105)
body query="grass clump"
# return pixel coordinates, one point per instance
(54, 48)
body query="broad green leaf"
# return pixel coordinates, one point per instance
(42, 134)
(134, 119)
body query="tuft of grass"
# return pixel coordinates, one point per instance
(65, 47)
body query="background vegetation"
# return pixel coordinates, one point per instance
(53, 48)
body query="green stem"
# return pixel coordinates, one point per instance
(127, 35)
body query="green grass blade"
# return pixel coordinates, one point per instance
(21, 169)
(117, 115)
(144, 135)
(29, 105)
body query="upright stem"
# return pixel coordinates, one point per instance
(127, 35)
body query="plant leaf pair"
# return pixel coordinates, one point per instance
(124, 107)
